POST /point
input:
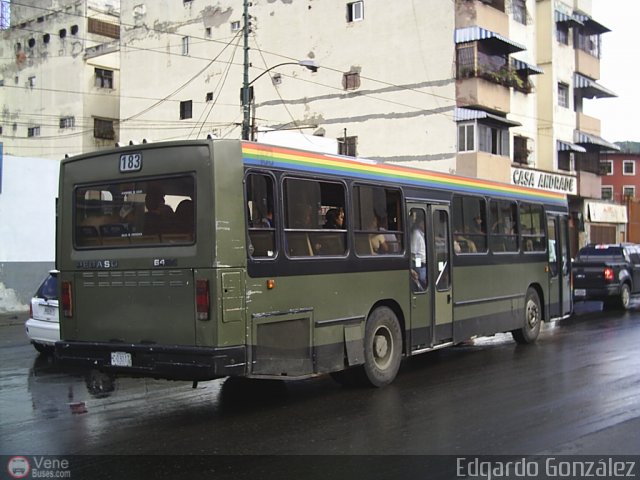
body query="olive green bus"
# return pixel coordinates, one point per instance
(202, 259)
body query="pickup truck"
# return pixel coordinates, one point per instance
(610, 273)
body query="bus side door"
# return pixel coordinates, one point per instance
(560, 300)
(430, 276)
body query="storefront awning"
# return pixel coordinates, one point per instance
(519, 65)
(473, 34)
(590, 88)
(565, 18)
(569, 147)
(607, 212)
(591, 26)
(589, 140)
(466, 114)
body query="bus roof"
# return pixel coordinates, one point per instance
(291, 159)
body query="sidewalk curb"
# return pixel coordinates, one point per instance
(13, 318)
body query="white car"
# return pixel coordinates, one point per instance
(43, 327)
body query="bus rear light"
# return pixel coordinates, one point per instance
(67, 300)
(608, 274)
(203, 302)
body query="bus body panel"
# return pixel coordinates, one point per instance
(204, 309)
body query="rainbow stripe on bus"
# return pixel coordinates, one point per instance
(268, 156)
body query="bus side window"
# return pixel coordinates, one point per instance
(315, 219)
(378, 220)
(260, 219)
(469, 224)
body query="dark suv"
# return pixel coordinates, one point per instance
(607, 272)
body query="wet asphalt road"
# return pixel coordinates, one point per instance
(576, 391)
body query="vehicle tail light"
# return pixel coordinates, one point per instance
(67, 299)
(203, 301)
(30, 309)
(608, 274)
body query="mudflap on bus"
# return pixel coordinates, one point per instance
(282, 344)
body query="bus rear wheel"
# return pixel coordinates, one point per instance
(382, 347)
(530, 329)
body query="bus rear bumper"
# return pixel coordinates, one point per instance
(172, 362)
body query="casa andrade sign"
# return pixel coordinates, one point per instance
(553, 182)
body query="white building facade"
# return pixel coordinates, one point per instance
(384, 87)
(59, 78)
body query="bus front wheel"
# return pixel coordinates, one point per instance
(382, 348)
(530, 329)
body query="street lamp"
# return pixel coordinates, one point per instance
(247, 97)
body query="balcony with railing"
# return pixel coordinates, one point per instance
(485, 72)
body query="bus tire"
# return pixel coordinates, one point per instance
(382, 347)
(532, 320)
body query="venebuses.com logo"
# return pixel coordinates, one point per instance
(38, 467)
(18, 467)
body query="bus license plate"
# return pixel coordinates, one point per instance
(580, 292)
(121, 359)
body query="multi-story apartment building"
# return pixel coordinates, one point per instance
(569, 46)
(59, 77)
(621, 185)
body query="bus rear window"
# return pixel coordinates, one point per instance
(141, 213)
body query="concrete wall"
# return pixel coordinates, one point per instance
(27, 227)
(401, 112)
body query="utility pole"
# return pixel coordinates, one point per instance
(246, 109)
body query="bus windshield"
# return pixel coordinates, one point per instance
(141, 213)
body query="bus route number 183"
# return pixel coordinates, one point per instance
(130, 162)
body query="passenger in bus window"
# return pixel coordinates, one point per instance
(159, 215)
(418, 254)
(377, 240)
(390, 240)
(334, 219)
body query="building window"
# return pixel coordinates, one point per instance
(466, 137)
(185, 45)
(33, 132)
(494, 140)
(235, 26)
(628, 167)
(521, 150)
(606, 192)
(0, 129)
(207, 32)
(105, 29)
(351, 80)
(562, 33)
(67, 122)
(629, 191)
(348, 146)
(519, 8)
(186, 109)
(103, 129)
(355, 11)
(209, 97)
(563, 95)
(74, 29)
(31, 82)
(607, 167)
(104, 78)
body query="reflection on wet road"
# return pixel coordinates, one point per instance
(576, 391)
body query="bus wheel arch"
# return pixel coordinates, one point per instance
(532, 317)
(383, 346)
